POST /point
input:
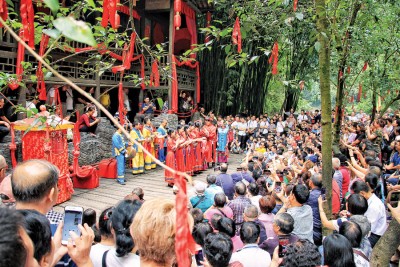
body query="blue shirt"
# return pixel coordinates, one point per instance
(226, 182)
(212, 190)
(238, 176)
(149, 110)
(395, 159)
(313, 203)
(204, 204)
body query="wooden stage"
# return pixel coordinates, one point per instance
(110, 192)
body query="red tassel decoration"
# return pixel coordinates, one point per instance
(365, 66)
(127, 62)
(236, 35)
(3, 11)
(274, 58)
(155, 75)
(106, 13)
(295, 5)
(41, 86)
(27, 17)
(359, 92)
(121, 104)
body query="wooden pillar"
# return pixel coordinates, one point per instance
(170, 52)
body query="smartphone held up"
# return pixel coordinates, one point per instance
(72, 218)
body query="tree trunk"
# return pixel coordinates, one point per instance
(386, 245)
(341, 77)
(324, 78)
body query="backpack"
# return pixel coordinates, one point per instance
(105, 100)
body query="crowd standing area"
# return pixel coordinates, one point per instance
(268, 212)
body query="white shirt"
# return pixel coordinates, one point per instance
(376, 215)
(301, 118)
(242, 125)
(255, 201)
(52, 93)
(96, 253)
(126, 102)
(280, 125)
(112, 260)
(266, 125)
(252, 256)
(234, 125)
(70, 99)
(252, 124)
(30, 105)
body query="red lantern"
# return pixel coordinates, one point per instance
(177, 5)
(177, 21)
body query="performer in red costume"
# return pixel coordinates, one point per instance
(211, 142)
(170, 160)
(179, 153)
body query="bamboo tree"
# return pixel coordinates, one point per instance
(324, 77)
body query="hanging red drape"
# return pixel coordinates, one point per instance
(27, 19)
(274, 58)
(295, 5)
(236, 35)
(155, 75)
(192, 28)
(121, 103)
(183, 238)
(3, 11)
(208, 24)
(359, 92)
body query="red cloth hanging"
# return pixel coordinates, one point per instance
(110, 14)
(236, 35)
(3, 11)
(365, 66)
(183, 239)
(121, 104)
(58, 102)
(14, 84)
(274, 58)
(27, 17)
(127, 62)
(155, 75)
(295, 5)
(359, 92)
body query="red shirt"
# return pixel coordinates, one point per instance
(335, 197)
(346, 179)
(84, 121)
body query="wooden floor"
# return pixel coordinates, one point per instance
(110, 192)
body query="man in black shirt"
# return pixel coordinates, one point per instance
(4, 122)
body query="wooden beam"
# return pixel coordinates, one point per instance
(193, 6)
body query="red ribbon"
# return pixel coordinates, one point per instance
(365, 66)
(236, 35)
(359, 92)
(110, 14)
(295, 5)
(41, 86)
(274, 58)
(183, 239)
(14, 84)
(27, 17)
(3, 11)
(155, 75)
(142, 73)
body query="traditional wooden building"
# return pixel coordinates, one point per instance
(168, 22)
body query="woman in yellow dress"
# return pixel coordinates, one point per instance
(149, 145)
(138, 160)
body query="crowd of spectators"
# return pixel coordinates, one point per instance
(268, 212)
